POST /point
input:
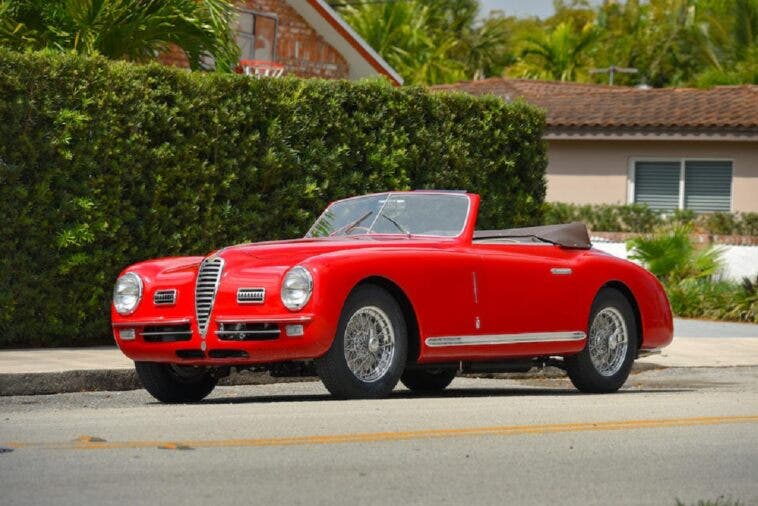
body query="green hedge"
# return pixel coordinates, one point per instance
(641, 218)
(103, 164)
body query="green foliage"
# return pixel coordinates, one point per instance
(603, 217)
(688, 275)
(558, 55)
(670, 42)
(712, 300)
(103, 164)
(125, 29)
(642, 219)
(432, 41)
(720, 223)
(672, 257)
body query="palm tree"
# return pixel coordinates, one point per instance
(404, 34)
(135, 30)
(560, 54)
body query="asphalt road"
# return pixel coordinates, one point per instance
(687, 434)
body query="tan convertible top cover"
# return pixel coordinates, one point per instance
(570, 235)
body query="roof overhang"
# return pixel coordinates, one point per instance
(650, 134)
(362, 59)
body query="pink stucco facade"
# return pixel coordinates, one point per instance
(599, 171)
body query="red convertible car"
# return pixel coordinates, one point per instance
(390, 287)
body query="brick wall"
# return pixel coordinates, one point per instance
(301, 50)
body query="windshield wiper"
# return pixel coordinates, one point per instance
(398, 225)
(350, 226)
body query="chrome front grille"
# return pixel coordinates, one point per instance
(164, 297)
(208, 278)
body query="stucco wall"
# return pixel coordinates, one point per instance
(596, 171)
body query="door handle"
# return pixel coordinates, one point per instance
(561, 271)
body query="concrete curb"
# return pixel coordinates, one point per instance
(100, 380)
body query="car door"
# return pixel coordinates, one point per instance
(528, 288)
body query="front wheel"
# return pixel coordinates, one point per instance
(606, 360)
(171, 383)
(368, 353)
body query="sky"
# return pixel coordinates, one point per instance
(541, 8)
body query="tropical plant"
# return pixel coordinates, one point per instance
(433, 41)
(135, 30)
(404, 34)
(561, 54)
(672, 257)
(714, 300)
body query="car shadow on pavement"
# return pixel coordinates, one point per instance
(447, 394)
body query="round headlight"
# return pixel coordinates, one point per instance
(296, 288)
(127, 293)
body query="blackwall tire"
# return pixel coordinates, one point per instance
(428, 381)
(604, 364)
(368, 353)
(175, 384)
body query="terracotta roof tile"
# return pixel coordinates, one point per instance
(574, 105)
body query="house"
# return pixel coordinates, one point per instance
(307, 37)
(671, 148)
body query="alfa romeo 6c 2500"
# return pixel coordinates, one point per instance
(390, 287)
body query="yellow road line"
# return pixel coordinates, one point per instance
(88, 443)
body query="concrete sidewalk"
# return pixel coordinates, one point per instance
(106, 368)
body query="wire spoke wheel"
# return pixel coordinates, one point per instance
(369, 343)
(608, 341)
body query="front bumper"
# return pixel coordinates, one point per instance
(229, 340)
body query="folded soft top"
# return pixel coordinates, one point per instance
(569, 235)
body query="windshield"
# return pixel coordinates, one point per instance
(434, 214)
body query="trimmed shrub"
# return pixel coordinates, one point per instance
(106, 163)
(642, 219)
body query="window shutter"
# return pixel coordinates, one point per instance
(708, 186)
(657, 184)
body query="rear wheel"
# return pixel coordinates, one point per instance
(428, 380)
(604, 364)
(368, 353)
(172, 383)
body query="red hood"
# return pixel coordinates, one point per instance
(296, 250)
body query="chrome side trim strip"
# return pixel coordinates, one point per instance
(533, 337)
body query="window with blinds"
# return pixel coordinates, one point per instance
(702, 186)
(657, 184)
(708, 186)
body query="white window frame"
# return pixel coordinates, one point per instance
(682, 161)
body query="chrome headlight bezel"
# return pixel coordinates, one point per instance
(119, 305)
(297, 288)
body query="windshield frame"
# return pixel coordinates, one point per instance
(388, 195)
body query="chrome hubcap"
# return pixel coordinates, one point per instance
(369, 343)
(609, 339)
